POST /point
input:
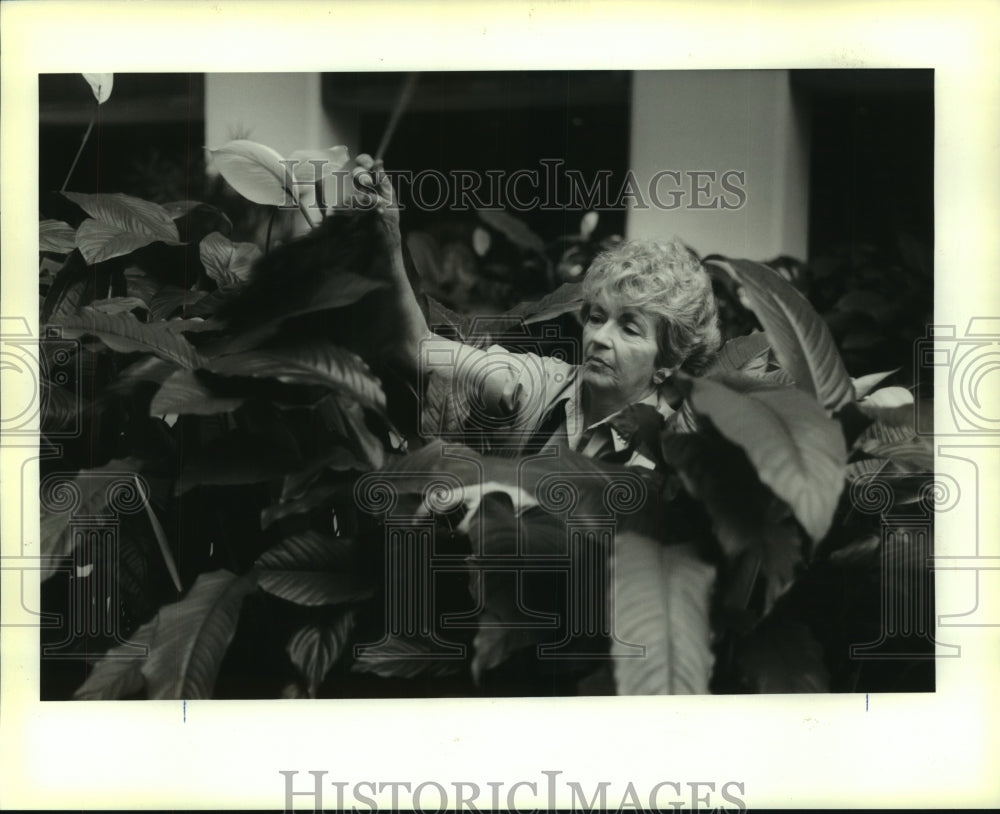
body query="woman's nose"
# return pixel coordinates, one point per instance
(602, 336)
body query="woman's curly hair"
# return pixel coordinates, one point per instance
(668, 281)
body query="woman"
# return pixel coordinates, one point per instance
(648, 311)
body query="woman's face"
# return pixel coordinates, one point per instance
(619, 349)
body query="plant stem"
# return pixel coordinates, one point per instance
(79, 152)
(270, 223)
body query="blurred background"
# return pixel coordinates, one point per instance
(836, 170)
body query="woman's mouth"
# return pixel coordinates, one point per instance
(596, 362)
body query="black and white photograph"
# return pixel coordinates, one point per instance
(339, 392)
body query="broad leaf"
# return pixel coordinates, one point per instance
(743, 354)
(127, 214)
(314, 649)
(796, 449)
(798, 335)
(225, 262)
(183, 393)
(254, 171)
(165, 302)
(311, 569)
(318, 495)
(192, 636)
(566, 299)
(124, 333)
(497, 640)
(321, 364)
(56, 236)
(98, 241)
(745, 515)
(402, 657)
(328, 290)
(118, 305)
(661, 602)
(119, 673)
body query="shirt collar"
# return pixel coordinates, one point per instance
(574, 415)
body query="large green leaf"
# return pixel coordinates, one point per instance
(798, 335)
(319, 363)
(257, 320)
(56, 236)
(796, 449)
(165, 302)
(99, 241)
(314, 649)
(407, 658)
(192, 636)
(743, 354)
(183, 393)
(746, 517)
(225, 262)
(124, 333)
(566, 299)
(119, 673)
(311, 569)
(661, 602)
(254, 170)
(128, 214)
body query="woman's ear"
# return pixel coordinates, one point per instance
(661, 375)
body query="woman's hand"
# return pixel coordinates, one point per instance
(373, 189)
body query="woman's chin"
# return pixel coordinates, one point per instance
(598, 375)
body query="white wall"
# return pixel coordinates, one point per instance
(281, 110)
(719, 121)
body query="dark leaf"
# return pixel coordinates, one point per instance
(124, 333)
(402, 657)
(225, 262)
(746, 354)
(119, 673)
(314, 649)
(319, 363)
(166, 301)
(566, 299)
(798, 335)
(183, 393)
(56, 236)
(192, 636)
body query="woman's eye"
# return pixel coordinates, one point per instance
(595, 319)
(632, 330)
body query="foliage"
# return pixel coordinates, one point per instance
(245, 387)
